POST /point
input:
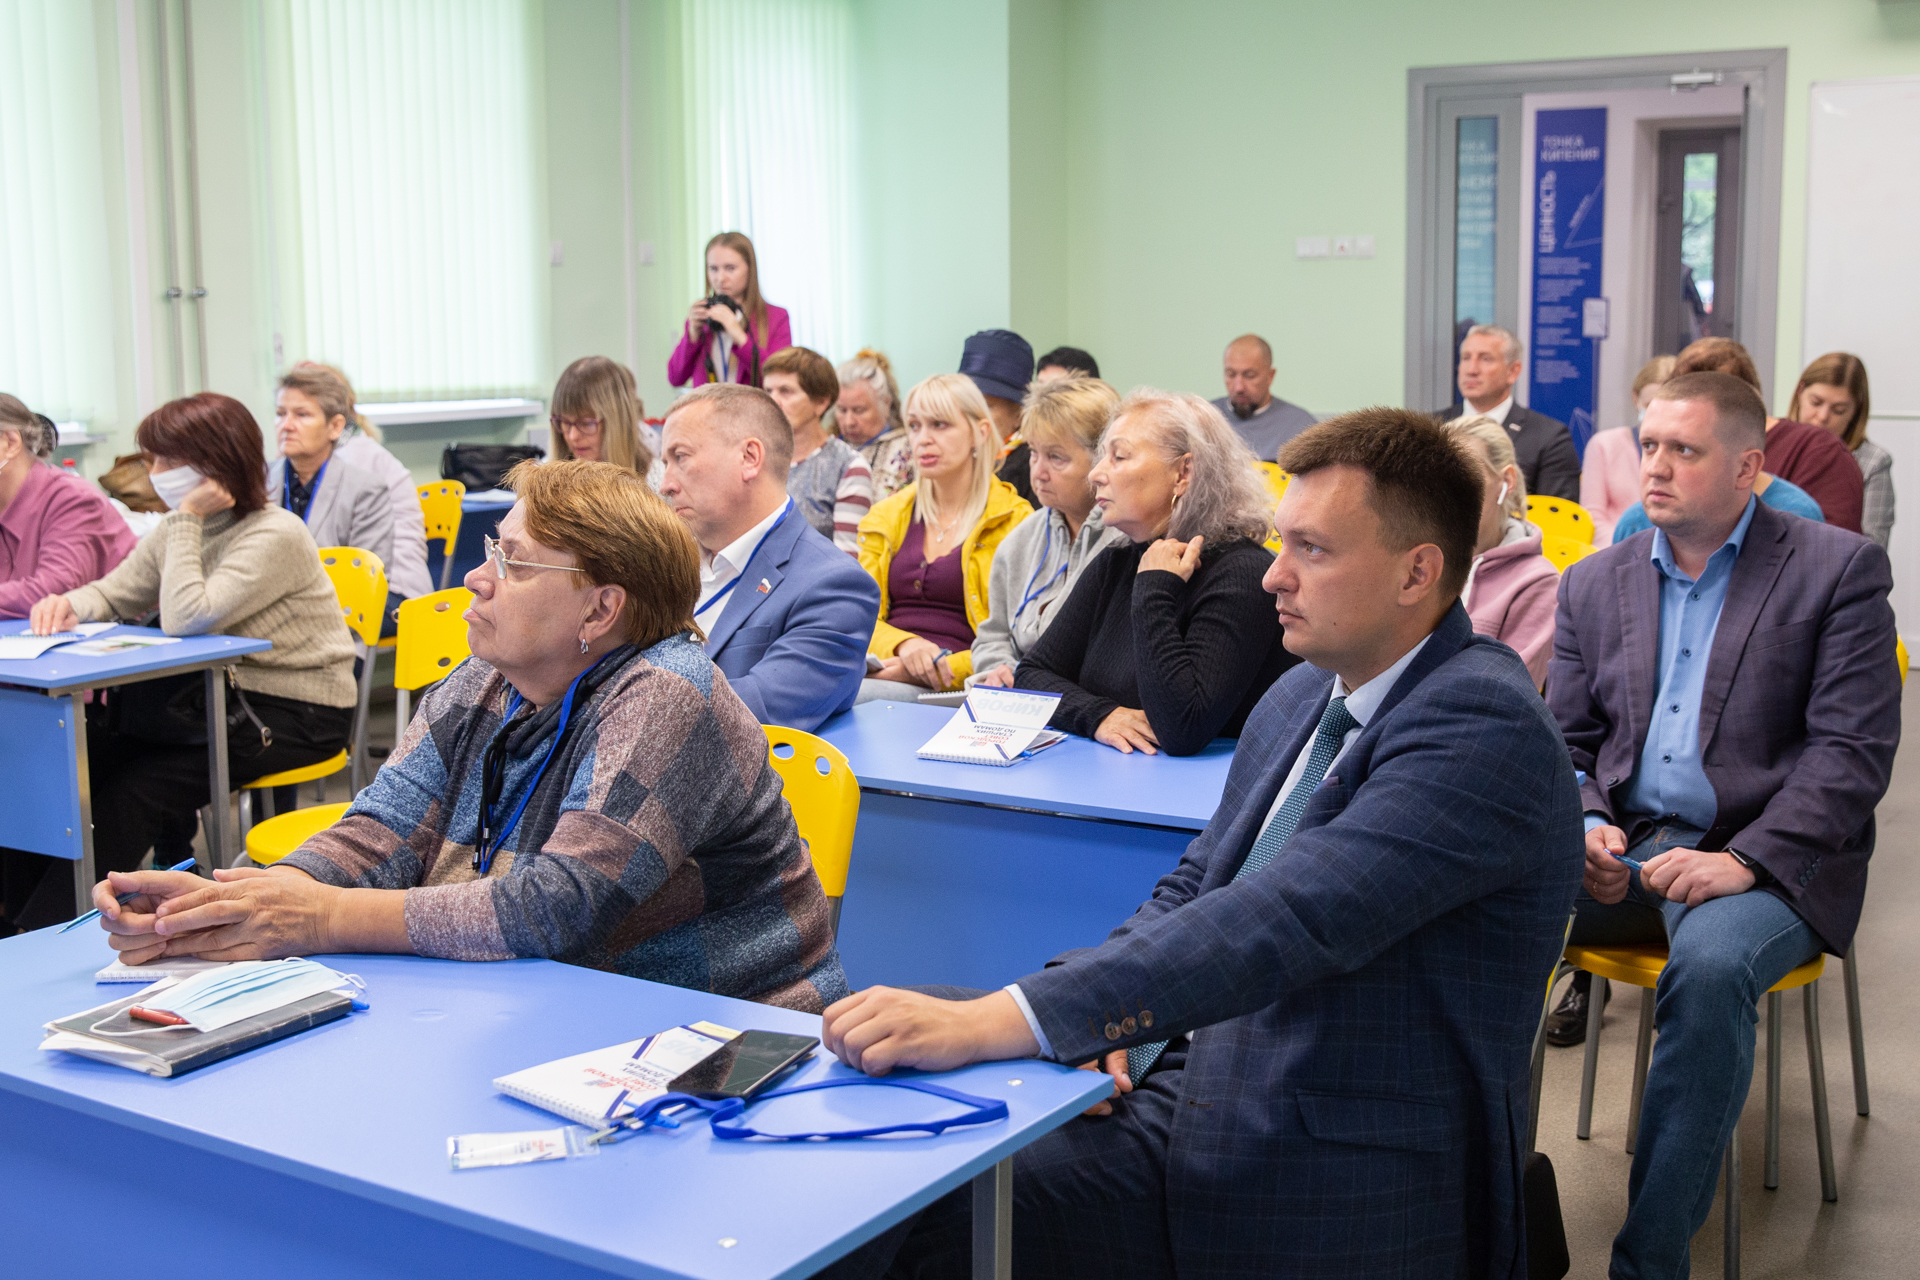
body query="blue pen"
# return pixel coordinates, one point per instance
(1635, 863)
(123, 899)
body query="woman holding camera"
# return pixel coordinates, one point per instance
(730, 332)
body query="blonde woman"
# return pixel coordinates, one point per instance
(1036, 567)
(1511, 588)
(930, 546)
(1169, 639)
(597, 417)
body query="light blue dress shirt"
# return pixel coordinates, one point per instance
(1670, 778)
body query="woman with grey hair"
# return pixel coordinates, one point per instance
(1168, 639)
(867, 416)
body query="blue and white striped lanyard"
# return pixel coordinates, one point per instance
(719, 596)
(313, 490)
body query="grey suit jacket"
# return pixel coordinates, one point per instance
(352, 508)
(1799, 717)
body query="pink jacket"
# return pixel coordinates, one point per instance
(688, 363)
(1610, 480)
(58, 533)
(1511, 598)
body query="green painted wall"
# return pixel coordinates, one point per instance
(1206, 136)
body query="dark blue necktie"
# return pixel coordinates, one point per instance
(1335, 723)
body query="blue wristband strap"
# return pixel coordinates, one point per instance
(727, 1112)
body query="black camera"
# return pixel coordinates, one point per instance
(719, 300)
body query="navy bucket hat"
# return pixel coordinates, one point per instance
(1000, 362)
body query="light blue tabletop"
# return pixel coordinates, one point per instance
(365, 1106)
(60, 670)
(1077, 778)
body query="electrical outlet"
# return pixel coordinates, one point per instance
(1311, 247)
(645, 253)
(557, 253)
(1363, 246)
(1343, 246)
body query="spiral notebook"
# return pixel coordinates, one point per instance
(996, 727)
(601, 1086)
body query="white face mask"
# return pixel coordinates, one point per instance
(174, 484)
(220, 997)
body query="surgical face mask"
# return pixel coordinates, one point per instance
(174, 484)
(220, 997)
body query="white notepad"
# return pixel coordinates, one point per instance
(996, 727)
(601, 1086)
(154, 970)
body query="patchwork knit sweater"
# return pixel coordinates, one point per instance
(657, 843)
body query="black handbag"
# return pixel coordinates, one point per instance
(172, 711)
(1547, 1257)
(484, 466)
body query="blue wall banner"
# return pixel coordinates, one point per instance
(1569, 192)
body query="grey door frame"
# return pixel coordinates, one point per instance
(1761, 73)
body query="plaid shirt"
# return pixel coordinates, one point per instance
(658, 843)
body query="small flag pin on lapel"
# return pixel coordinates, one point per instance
(764, 586)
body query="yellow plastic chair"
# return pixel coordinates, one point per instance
(1641, 967)
(440, 505)
(1564, 551)
(432, 641)
(360, 580)
(1277, 481)
(285, 778)
(277, 837)
(1900, 655)
(1561, 517)
(825, 797)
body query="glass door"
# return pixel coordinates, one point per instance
(1698, 229)
(1475, 207)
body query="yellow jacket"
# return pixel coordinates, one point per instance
(885, 528)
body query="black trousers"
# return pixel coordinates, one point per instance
(1089, 1200)
(147, 795)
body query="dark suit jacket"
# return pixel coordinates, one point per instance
(1799, 749)
(1356, 1103)
(797, 651)
(1543, 448)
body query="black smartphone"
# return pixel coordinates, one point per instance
(744, 1065)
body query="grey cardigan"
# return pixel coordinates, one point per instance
(352, 508)
(1034, 569)
(1876, 478)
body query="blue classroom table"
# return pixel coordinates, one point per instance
(324, 1155)
(43, 748)
(974, 875)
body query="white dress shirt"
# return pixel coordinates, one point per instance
(1362, 704)
(1498, 413)
(721, 568)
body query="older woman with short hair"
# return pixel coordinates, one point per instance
(868, 416)
(1036, 567)
(1168, 640)
(1511, 588)
(585, 788)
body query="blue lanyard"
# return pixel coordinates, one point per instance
(313, 490)
(489, 842)
(1046, 586)
(727, 590)
(727, 1112)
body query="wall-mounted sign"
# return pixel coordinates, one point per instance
(1569, 190)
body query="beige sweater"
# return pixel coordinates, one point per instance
(258, 576)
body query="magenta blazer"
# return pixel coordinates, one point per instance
(1610, 480)
(58, 533)
(689, 360)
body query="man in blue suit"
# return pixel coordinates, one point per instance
(1319, 1026)
(787, 614)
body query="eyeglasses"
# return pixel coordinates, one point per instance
(500, 561)
(575, 426)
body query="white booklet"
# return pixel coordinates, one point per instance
(996, 727)
(154, 970)
(605, 1085)
(26, 645)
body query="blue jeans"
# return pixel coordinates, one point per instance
(1722, 957)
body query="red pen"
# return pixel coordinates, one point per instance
(160, 1016)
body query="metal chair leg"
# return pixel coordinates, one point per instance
(402, 715)
(1642, 1055)
(1817, 1071)
(1771, 1178)
(1857, 1040)
(1730, 1247)
(206, 861)
(1539, 1059)
(1596, 1009)
(246, 825)
(357, 748)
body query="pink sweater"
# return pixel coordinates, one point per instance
(1511, 598)
(1610, 480)
(58, 533)
(688, 364)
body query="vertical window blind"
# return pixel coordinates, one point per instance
(56, 328)
(413, 139)
(769, 151)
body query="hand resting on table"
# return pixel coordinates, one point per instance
(247, 914)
